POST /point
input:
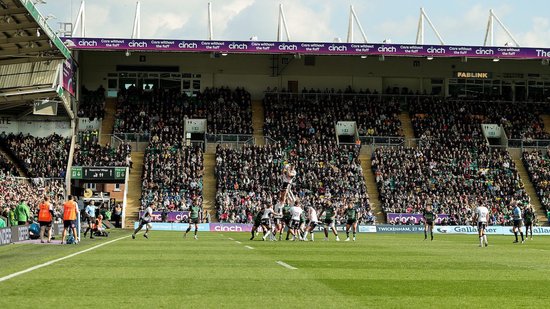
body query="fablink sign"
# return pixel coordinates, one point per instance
(311, 48)
(473, 75)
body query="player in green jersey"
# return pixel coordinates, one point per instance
(429, 219)
(330, 217)
(352, 215)
(528, 220)
(194, 217)
(257, 223)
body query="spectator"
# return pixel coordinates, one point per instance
(22, 213)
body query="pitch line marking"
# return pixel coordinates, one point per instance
(285, 265)
(58, 260)
(231, 238)
(248, 247)
(238, 242)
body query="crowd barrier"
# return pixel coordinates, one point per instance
(394, 229)
(19, 233)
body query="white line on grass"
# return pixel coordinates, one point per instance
(248, 247)
(58, 260)
(231, 238)
(238, 242)
(285, 265)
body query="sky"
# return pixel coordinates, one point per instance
(460, 22)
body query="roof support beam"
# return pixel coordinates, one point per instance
(282, 24)
(80, 19)
(490, 32)
(420, 31)
(354, 20)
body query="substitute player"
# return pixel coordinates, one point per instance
(70, 211)
(330, 218)
(195, 212)
(481, 216)
(45, 218)
(145, 221)
(429, 219)
(516, 216)
(352, 214)
(528, 220)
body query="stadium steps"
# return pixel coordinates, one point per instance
(258, 121)
(108, 122)
(209, 186)
(134, 189)
(530, 189)
(406, 124)
(19, 168)
(546, 122)
(372, 189)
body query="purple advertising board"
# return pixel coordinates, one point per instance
(404, 217)
(172, 216)
(312, 48)
(67, 78)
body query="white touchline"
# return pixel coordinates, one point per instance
(238, 242)
(59, 259)
(249, 247)
(285, 265)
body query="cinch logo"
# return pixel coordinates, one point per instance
(91, 43)
(187, 45)
(288, 47)
(137, 44)
(220, 228)
(482, 51)
(340, 48)
(238, 46)
(387, 49)
(436, 50)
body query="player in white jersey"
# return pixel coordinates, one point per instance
(481, 216)
(288, 177)
(278, 219)
(313, 220)
(266, 222)
(145, 221)
(295, 213)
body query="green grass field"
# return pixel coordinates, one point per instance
(378, 270)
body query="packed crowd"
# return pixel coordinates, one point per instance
(92, 103)
(462, 119)
(452, 180)
(538, 167)
(14, 191)
(88, 152)
(172, 176)
(227, 111)
(249, 178)
(7, 167)
(304, 117)
(39, 156)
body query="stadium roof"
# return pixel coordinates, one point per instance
(31, 56)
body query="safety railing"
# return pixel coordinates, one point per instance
(525, 144)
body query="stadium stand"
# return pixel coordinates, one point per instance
(92, 104)
(88, 152)
(313, 115)
(538, 167)
(39, 156)
(7, 167)
(250, 177)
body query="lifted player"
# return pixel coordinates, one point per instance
(195, 212)
(481, 216)
(288, 177)
(429, 218)
(528, 220)
(330, 217)
(312, 223)
(352, 214)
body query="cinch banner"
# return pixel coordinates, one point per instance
(172, 216)
(312, 48)
(404, 217)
